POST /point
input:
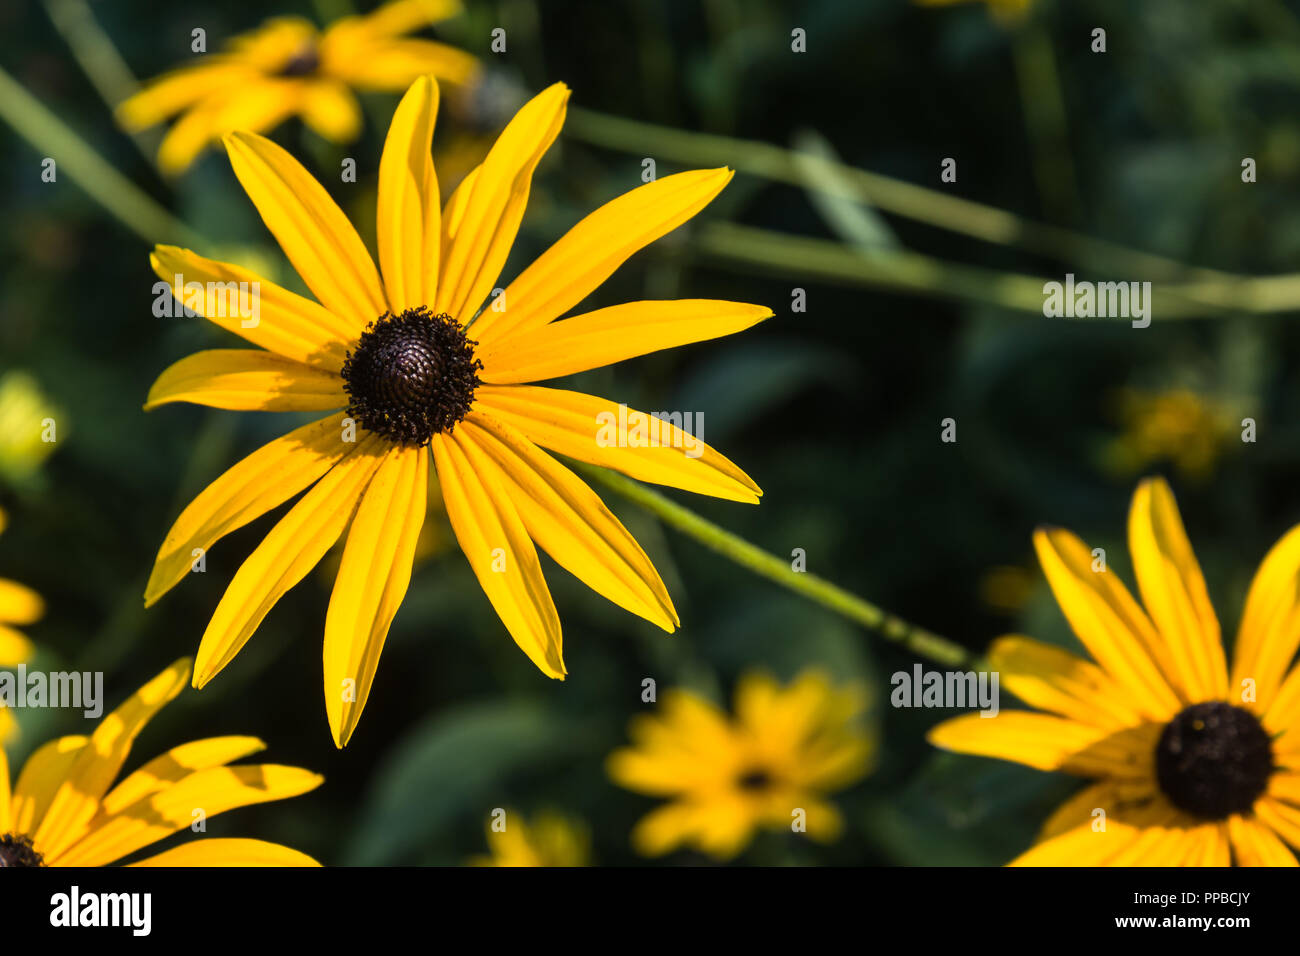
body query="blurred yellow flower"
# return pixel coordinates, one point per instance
(551, 839)
(21, 605)
(769, 767)
(26, 416)
(1191, 763)
(62, 812)
(288, 67)
(1177, 426)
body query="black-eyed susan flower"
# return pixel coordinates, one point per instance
(65, 811)
(771, 766)
(1191, 762)
(548, 839)
(394, 347)
(288, 67)
(19, 606)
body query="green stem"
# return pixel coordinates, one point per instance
(891, 195)
(52, 138)
(1045, 119)
(823, 592)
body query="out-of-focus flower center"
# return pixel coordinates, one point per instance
(754, 781)
(1214, 760)
(302, 63)
(411, 376)
(17, 850)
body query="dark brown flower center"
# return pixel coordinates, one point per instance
(754, 781)
(304, 62)
(411, 376)
(1214, 760)
(17, 850)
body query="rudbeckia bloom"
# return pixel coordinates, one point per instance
(769, 767)
(289, 68)
(394, 346)
(62, 811)
(20, 605)
(1191, 763)
(548, 839)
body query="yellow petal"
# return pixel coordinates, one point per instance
(286, 323)
(1108, 621)
(4, 793)
(14, 647)
(373, 576)
(247, 380)
(19, 604)
(313, 232)
(1270, 624)
(291, 549)
(409, 217)
(1053, 679)
(473, 257)
(497, 546)
(40, 779)
(569, 521)
(170, 810)
(228, 852)
(403, 16)
(369, 63)
(97, 764)
(172, 92)
(578, 426)
(173, 766)
(1042, 742)
(589, 253)
(1280, 817)
(600, 338)
(332, 110)
(255, 105)
(1254, 844)
(1173, 591)
(265, 479)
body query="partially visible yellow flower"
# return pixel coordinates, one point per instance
(25, 412)
(62, 812)
(768, 767)
(20, 605)
(1190, 762)
(1175, 425)
(288, 67)
(551, 839)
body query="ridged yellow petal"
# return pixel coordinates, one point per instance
(1035, 740)
(589, 253)
(1254, 844)
(409, 218)
(1174, 594)
(286, 323)
(268, 477)
(176, 764)
(98, 763)
(291, 549)
(1270, 623)
(247, 380)
(1052, 679)
(226, 851)
(600, 338)
(373, 576)
(571, 422)
(570, 522)
(473, 257)
(40, 779)
(311, 229)
(502, 556)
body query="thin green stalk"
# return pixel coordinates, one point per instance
(75, 158)
(896, 196)
(909, 636)
(1045, 119)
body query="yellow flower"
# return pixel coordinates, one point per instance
(1191, 763)
(393, 345)
(20, 605)
(1175, 425)
(287, 67)
(62, 812)
(769, 767)
(551, 839)
(25, 412)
